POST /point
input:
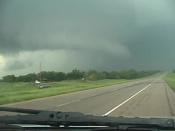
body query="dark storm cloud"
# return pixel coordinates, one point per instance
(58, 25)
(102, 34)
(15, 65)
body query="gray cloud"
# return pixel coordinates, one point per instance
(15, 65)
(92, 34)
(69, 25)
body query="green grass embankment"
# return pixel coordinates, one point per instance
(170, 79)
(21, 91)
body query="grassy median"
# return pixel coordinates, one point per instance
(170, 79)
(21, 91)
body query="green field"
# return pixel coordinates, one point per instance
(170, 79)
(20, 91)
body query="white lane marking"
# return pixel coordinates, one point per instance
(113, 109)
(67, 103)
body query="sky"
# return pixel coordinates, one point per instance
(86, 34)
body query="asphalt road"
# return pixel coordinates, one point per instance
(146, 97)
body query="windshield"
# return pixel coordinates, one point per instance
(98, 57)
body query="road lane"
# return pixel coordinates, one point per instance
(157, 100)
(152, 97)
(99, 104)
(127, 100)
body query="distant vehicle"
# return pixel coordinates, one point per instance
(44, 85)
(41, 85)
(37, 82)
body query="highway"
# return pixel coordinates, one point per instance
(145, 97)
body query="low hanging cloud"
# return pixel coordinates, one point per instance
(87, 34)
(16, 65)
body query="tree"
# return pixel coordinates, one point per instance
(27, 78)
(75, 74)
(59, 76)
(128, 74)
(9, 78)
(113, 75)
(94, 75)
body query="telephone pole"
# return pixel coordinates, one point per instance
(40, 68)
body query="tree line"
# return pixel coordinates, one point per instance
(76, 74)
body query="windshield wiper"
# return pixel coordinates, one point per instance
(70, 119)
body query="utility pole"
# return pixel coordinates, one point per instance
(40, 68)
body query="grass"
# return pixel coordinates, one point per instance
(170, 79)
(21, 91)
